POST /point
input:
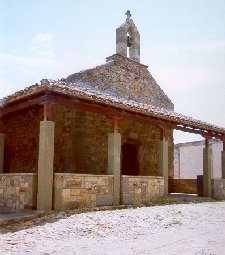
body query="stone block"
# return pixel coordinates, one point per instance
(86, 200)
(67, 199)
(127, 199)
(125, 185)
(66, 192)
(102, 200)
(24, 189)
(75, 192)
(91, 179)
(93, 198)
(74, 183)
(102, 181)
(102, 190)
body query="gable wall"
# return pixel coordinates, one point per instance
(129, 79)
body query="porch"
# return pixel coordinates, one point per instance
(75, 186)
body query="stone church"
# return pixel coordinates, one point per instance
(103, 136)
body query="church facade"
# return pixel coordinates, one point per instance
(103, 136)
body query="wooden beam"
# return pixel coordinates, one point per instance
(103, 108)
(18, 107)
(202, 132)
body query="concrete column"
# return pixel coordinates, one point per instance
(207, 171)
(114, 159)
(45, 165)
(223, 163)
(2, 146)
(163, 163)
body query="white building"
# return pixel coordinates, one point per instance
(188, 159)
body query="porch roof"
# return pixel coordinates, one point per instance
(93, 94)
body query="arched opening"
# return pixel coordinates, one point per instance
(130, 42)
(130, 162)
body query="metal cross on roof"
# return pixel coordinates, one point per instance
(128, 14)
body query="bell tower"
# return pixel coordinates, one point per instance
(128, 39)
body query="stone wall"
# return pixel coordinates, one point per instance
(21, 141)
(141, 189)
(78, 191)
(81, 142)
(18, 191)
(127, 79)
(188, 186)
(218, 186)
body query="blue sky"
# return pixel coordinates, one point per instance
(182, 42)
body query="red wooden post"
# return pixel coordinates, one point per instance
(115, 124)
(47, 110)
(206, 142)
(164, 134)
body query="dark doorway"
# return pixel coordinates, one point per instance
(7, 159)
(130, 164)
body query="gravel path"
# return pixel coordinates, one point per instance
(172, 229)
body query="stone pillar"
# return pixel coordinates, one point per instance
(2, 146)
(163, 163)
(223, 161)
(114, 159)
(45, 165)
(207, 171)
(121, 41)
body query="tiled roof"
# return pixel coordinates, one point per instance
(89, 91)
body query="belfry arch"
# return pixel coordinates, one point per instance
(128, 39)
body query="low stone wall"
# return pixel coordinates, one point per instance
(188, 186)
(141, 189)
(18, 191)
(82, 190)
(218, 189)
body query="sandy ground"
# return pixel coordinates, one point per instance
(173, 229)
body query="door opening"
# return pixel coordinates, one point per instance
(130, 163)
(7, 159)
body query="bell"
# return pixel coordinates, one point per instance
(129, 41)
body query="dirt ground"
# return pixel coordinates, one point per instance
(171, 229)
